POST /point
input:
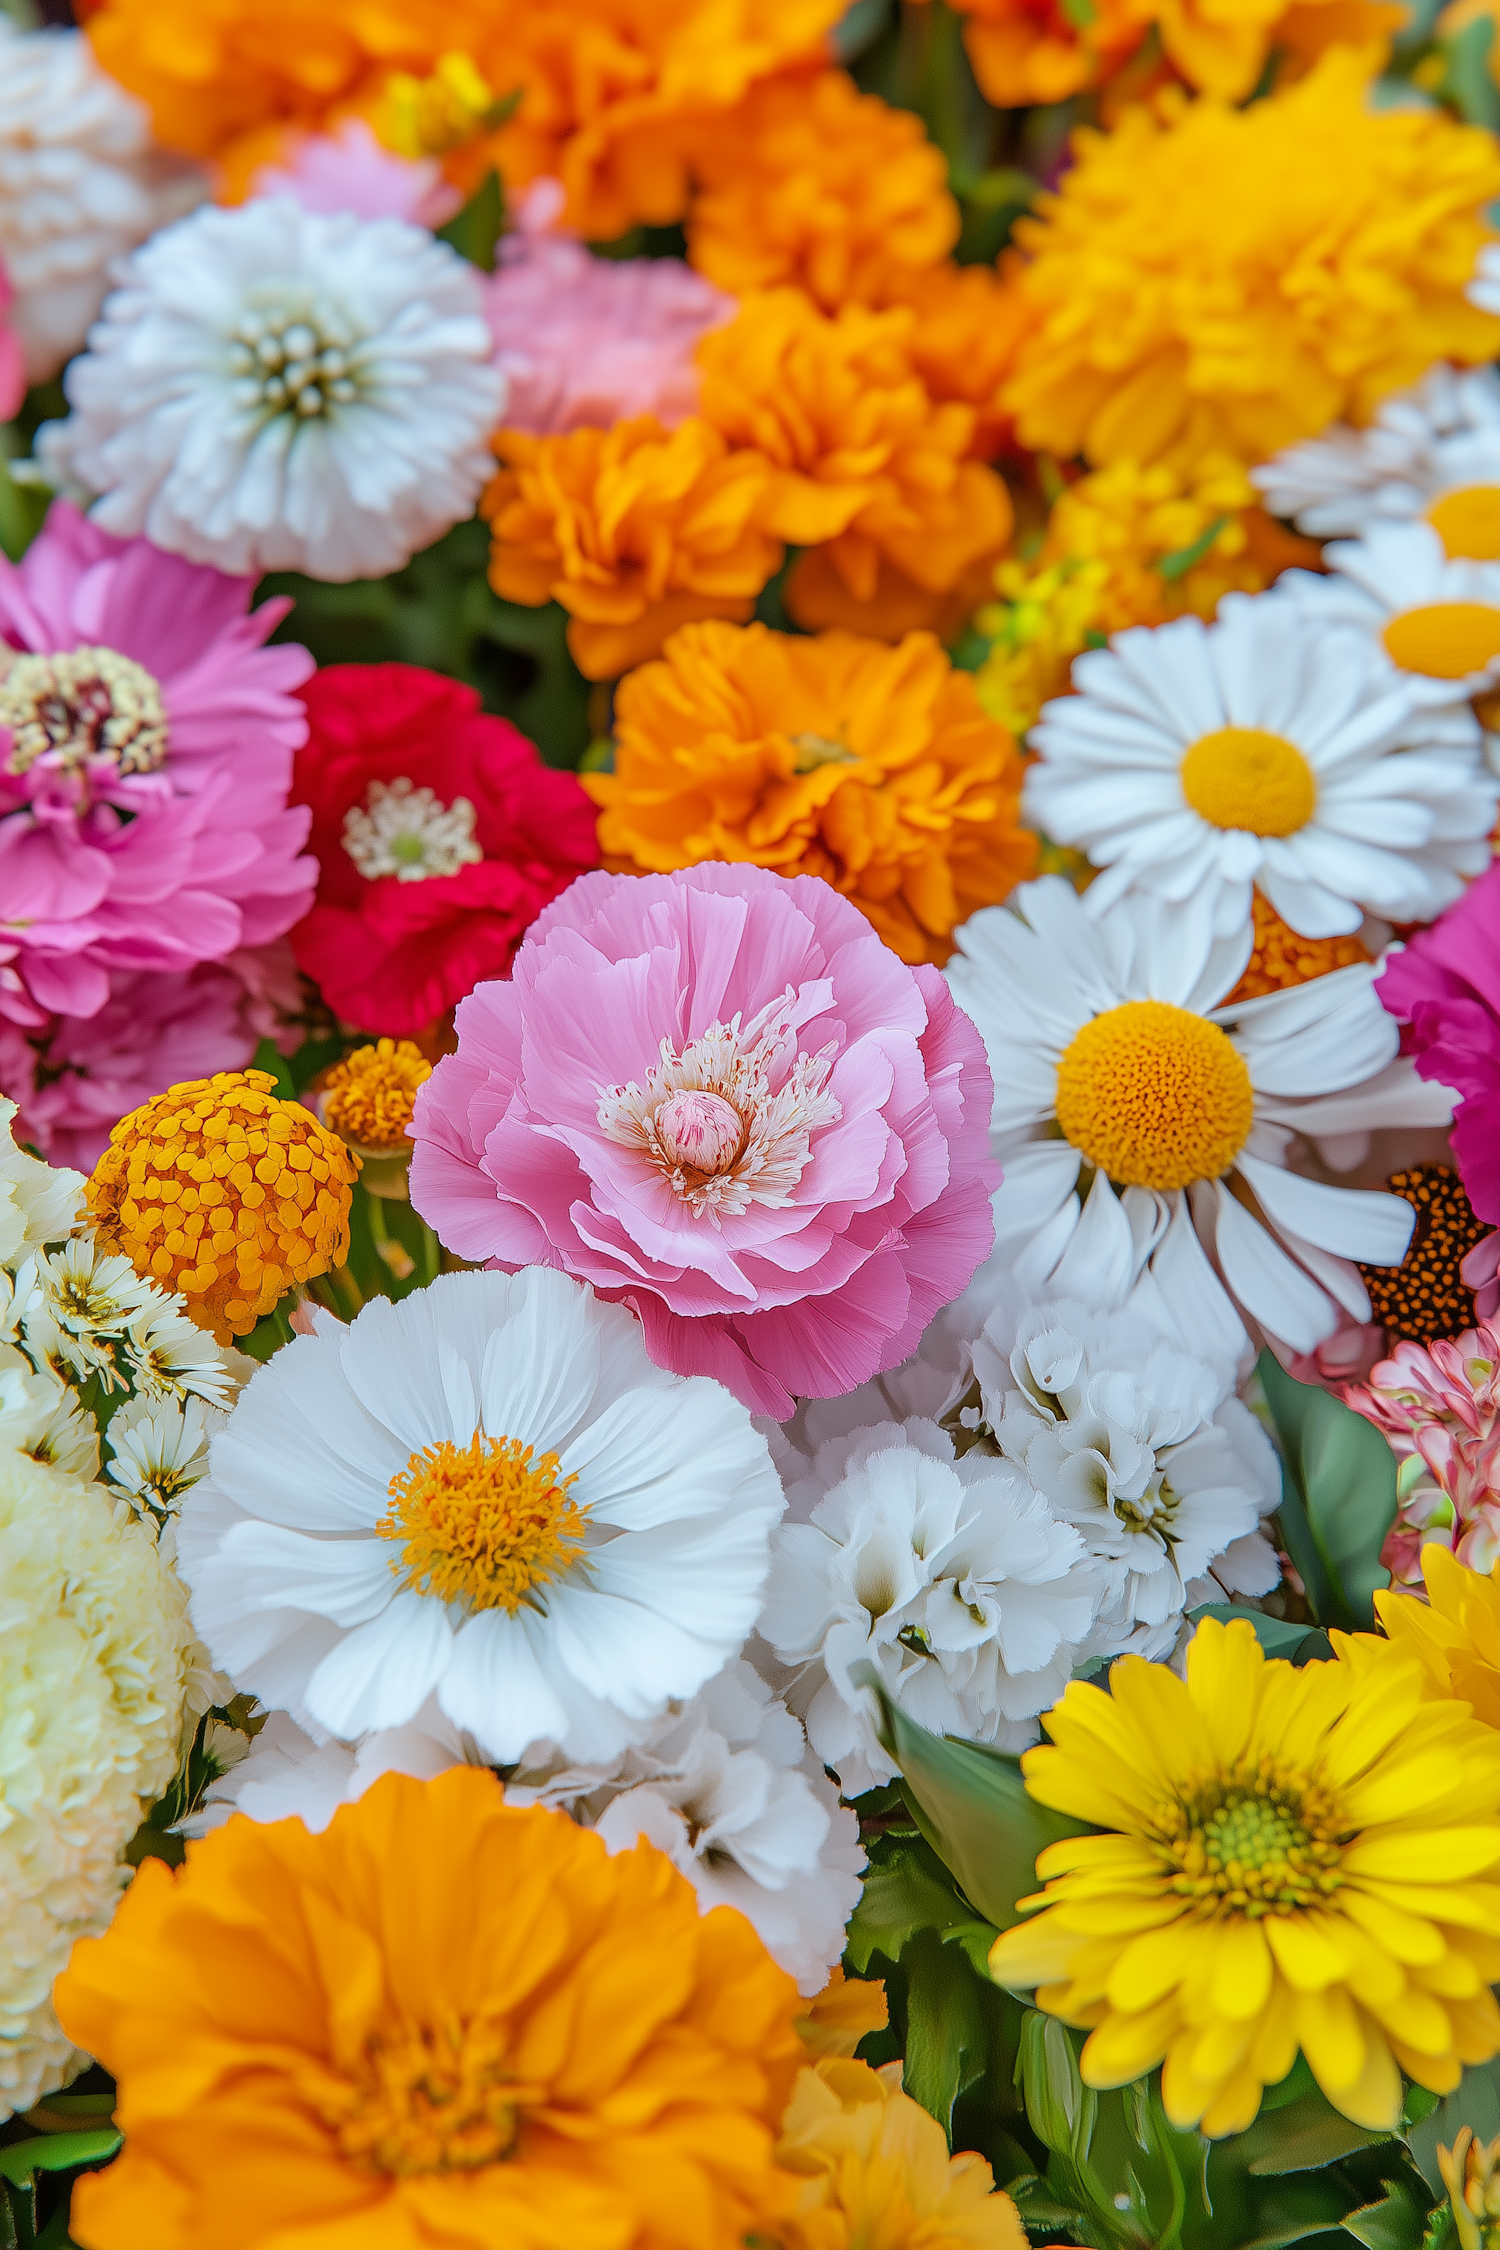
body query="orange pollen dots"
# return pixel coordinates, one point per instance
(1257, 1840)
(368, 1099)
(1281, 957)
(1444, 640)
(1154, 1096)
(1243, 777)
(428, 2102)
(217, 1189)
(481, 1524)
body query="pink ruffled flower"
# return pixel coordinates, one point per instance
(12, 357)
(146, 748)
(1438, 1408)
(1445, 983)
(156, 1029)
(592, 341)
(718, 1097)
(348, 170)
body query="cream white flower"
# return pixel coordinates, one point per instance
(270, 389)
(38, 1202)
(1261, 751)
(1145, 1126)
(1431, 453)
(490, 1493)
(42, 1418)
(80, 184)
(158, 1448)
(94, 1649)
(1433, 621)
(1143, 1448)
(952, 1577)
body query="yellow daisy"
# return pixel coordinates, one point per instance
(1455, 1632)
(1293, 1859)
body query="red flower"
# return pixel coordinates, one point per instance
(440, 836)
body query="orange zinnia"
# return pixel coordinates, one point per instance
(865, 468)
(634, 531)
(872, 767)
(441, 2019)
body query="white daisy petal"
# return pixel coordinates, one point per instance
(1271, 1288)
(1351, 1222)
(381, 1673)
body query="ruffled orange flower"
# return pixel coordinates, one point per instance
(864, 467)
(1221, 280)
(872, 767)
(815, 183)
(440, 2020)
(1042, 50)
(1027, 51)
(970, 322)
(634, 531)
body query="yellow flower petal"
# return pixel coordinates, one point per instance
(1241, 1983)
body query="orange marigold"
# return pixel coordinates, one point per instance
(633, 530)
(819, 184)
(443, 2019)
(1027, 51)
(872, 767)
(864, 467)
(970, 321)
(1221, 280)
(1042, 50)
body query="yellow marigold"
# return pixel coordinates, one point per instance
(872, 767)
(1290, 1859)
(634, 531)
(1456, 1631)
(864, 467)
(217, 1189)
(819, 184)
(1219, 280)
(867, 2166)
(839, 2016)
(368, 1098)
(441, 2019)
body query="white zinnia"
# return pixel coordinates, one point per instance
(1171, 1103)
(1144, 1449)
(1261, 751)
(573, 1612)
(1441, 436)
(270, 389)
(952, 1577)
(1432, 621)
(42, 1418)
(80, 184)
(94, 1647)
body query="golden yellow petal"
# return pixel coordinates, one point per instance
(1426, 1856)
(1408, 1937)
(1164, 1716)
(1417, 2019)
(1304, 1954)
(1031, 1953)
(1150, 1966)
(1241, 1983)
(1124, 2047)
(1225, 1673)
(1234, 2107)
(1275, 2048)
(1332, 2037)
(1372, 2097)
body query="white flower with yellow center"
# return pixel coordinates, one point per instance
(1145, 1126)
(1432, 454)
(1432, 619)
(487, 1493)
(1204, 760)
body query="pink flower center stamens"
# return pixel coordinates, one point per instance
(701, 1132)
(81, 711)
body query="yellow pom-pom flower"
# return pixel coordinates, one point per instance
(217, 1189)
(1221, 280)
(368, 1098)
(443, 2019)
(1291, 1859)
(1455, 1632)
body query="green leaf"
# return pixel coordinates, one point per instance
(475, 230)
(907, 1890)
(56, 2152)
(1475, 2102)
(1396, 2222)
(1338, 1497)
(1469, 84)
(1442, 2229)
(1304, 2136)
(268, 1057)
(1178, 565)
(971, 1804)
(1278, 1636)
(945, 2031)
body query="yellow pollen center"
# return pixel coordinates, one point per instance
(814, 750)
(369, 1098)
(1243, 777)
(481, 1524)
(1444, 640)
(428, 2102)
(1154, 1096)
(1468, 522)
(1258, 1840)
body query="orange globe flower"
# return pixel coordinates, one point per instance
(442, 2019)
(1220, 280)
(872, 767)
(864, 467)
(635, 532)
(815, 183)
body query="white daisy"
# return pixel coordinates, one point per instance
(1206, 759)
(490, 1493)
(1431, 454)
(1143, 1448)
(1432, 620)
(1145, 1127)
(38, 1202)
(951, 1576)
(158, 1447)
(79, 185)
(270, 389)
(77, 1304)
(42, 1418)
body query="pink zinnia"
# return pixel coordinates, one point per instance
(1446, 985)
(593, 341)
(348, 170)
(1438, 1408)
(719, 1097)
(146, 747)
(12, 357)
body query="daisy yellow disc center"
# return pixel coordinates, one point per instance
(1245, 777)
(485, 1524)
(1154, 1096)
(1468, 522)
(1444, 640)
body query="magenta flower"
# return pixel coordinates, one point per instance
(348, 170)
(585, 340)
(12, 357)
(1446, 985)
(721, 1099)
(146, 747)
(1438, 1408)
